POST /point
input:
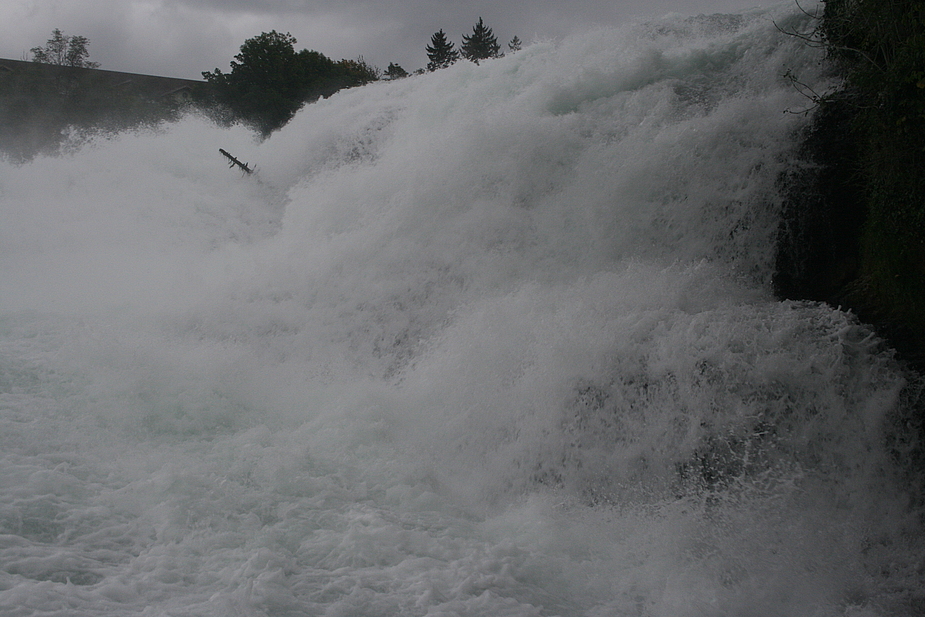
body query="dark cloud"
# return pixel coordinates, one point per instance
(185, 37)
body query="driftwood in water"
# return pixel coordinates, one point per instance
(235, 162)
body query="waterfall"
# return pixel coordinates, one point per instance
(495, 340)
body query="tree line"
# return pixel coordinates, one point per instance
(268, 82)
(480, 45)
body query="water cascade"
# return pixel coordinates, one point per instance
(497, 340)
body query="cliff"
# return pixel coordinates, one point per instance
(853, 233)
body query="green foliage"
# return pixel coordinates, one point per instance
(269, 81)
(880, 47)
(356, 73)
(481, 44)
(64, 51)
(395, 71)
(440, 52)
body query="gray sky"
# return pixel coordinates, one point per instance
(182, 38)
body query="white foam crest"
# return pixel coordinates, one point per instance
(405, 202)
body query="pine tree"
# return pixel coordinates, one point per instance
(481, 45)
(515, 45)
(440, 52)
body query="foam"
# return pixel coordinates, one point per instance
(496, 340)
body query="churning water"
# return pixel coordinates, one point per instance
(497, 341)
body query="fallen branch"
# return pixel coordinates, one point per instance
(236, 163)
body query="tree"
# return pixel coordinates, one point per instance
(395, 71)
(64, 51)
(515, 45)
(358, 72)
(440, 52)
(269, 81)
(266, 84)
(481, 45)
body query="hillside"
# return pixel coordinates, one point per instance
(40, 104)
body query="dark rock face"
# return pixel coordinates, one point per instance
(824, 252)
(853, 225)
(821, 243)
(818, 250)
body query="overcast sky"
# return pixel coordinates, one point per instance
(182, 38)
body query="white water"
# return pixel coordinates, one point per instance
(493, 341)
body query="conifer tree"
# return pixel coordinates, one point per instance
(515, 45)
(481, 45)
(440, 52)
